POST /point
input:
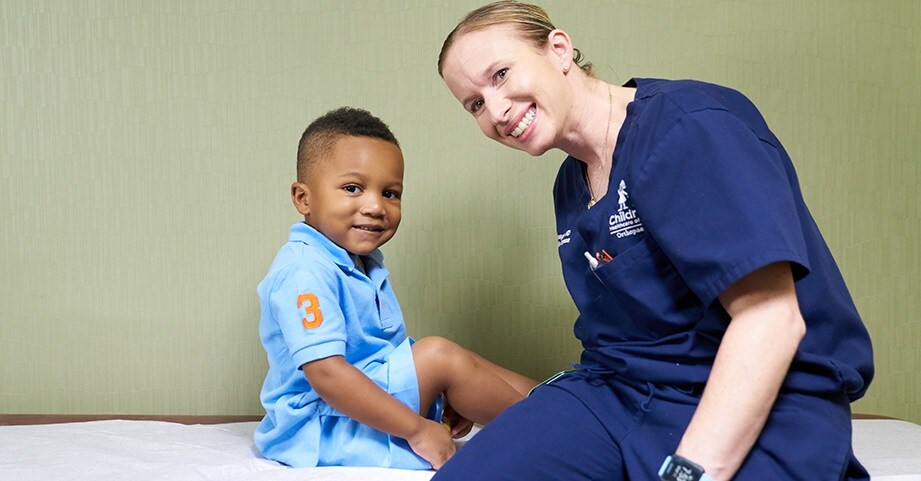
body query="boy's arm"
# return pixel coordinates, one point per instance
(344, 387)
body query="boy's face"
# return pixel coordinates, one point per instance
(353, 196)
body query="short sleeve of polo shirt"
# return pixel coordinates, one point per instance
(305, 301)
(718, 200)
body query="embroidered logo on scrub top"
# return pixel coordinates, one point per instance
(311, 306)
(564, 237)
(624, 222)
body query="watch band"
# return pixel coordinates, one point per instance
(678, 468)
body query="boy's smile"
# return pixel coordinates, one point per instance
(353, 196)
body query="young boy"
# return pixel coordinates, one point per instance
(345, 385)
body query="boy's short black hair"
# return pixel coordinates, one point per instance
(320, 136)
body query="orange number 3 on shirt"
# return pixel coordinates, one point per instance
(312, 309)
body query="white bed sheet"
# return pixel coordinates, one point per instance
(153, 450)
(890, 449)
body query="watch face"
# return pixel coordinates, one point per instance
(680, 469)
(679, 473)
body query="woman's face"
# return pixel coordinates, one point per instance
(517, 94)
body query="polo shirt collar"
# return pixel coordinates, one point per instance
(303, 232)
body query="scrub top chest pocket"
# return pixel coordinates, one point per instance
(640, 277)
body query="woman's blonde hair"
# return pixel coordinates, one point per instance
(532, 23)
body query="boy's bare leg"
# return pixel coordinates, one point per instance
(522, 384)
(477, 389)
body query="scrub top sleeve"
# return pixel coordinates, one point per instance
(718, 201)
(306, 305)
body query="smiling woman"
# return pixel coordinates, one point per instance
(502, 83)
(711, 324)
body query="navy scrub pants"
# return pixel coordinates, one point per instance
(585, 427)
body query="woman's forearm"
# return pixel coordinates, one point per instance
(750, 366)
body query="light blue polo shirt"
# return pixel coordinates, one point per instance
(317, 303)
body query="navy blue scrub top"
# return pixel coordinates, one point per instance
(700, 194)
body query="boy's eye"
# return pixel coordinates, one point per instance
(390, 194)
(500, 75)
(352, 189)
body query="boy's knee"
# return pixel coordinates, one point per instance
(432, 343)
(435, 348)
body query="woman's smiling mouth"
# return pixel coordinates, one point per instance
(525, 122)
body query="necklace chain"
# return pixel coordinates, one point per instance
(604, 152)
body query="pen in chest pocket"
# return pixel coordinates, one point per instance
(598, 259)
(592, 262)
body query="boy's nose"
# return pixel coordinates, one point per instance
(373, 207)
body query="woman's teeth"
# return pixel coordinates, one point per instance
(525, 122)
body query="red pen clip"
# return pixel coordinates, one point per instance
(603, 257)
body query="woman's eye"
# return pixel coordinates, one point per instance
(476, 106)
(500, 75)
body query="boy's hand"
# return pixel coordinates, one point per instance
(459, 425)
(433, 443)
(462, 428)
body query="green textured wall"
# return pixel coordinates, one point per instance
(146, 149)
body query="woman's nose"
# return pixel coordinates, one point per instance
(498, 108)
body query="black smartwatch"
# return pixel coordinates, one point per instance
(676, 468)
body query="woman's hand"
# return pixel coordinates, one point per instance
(432, 442)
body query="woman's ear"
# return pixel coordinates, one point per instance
(300, 197)
(560, 47)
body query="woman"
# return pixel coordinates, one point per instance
(720, 341)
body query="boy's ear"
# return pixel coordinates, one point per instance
(300, 197)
